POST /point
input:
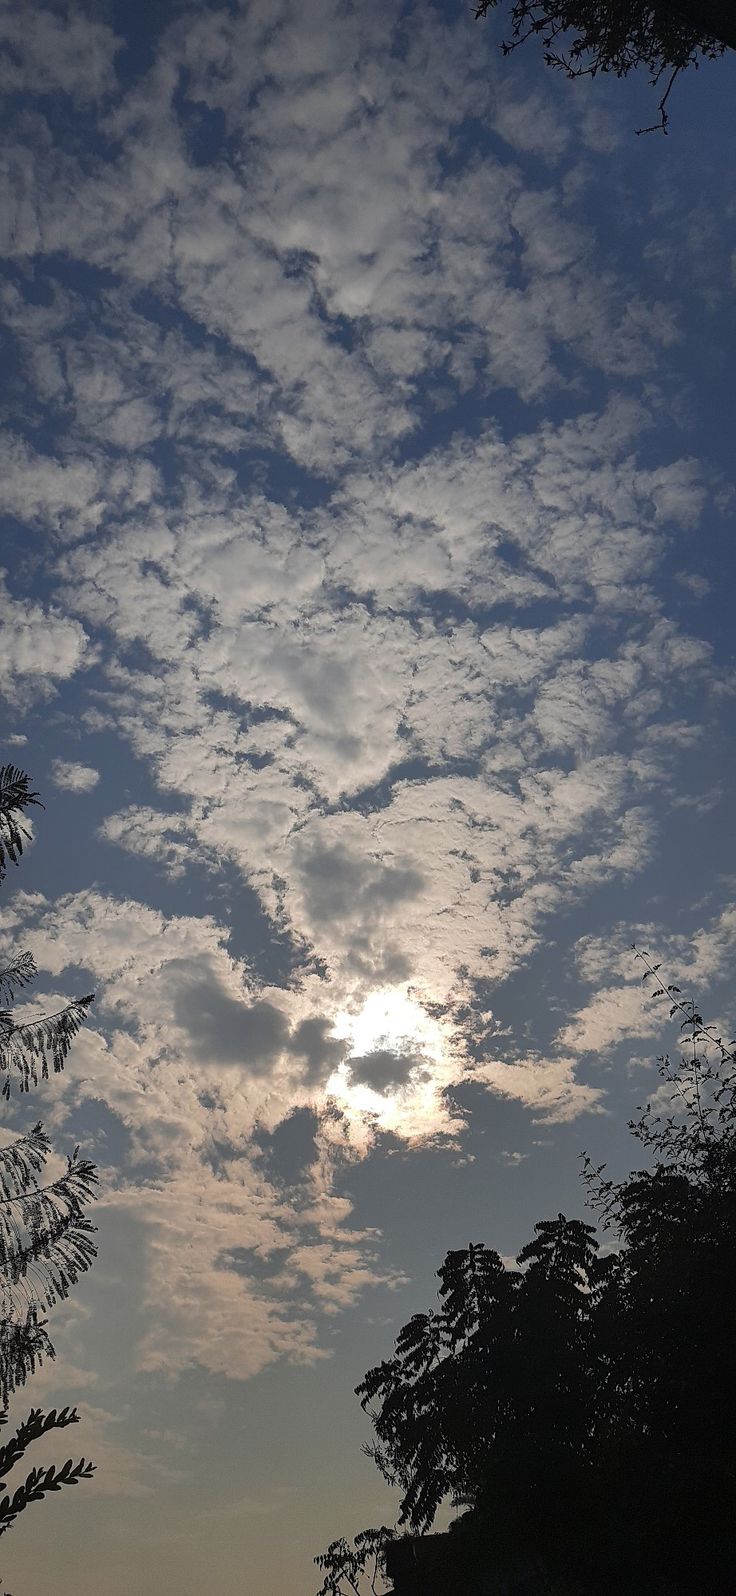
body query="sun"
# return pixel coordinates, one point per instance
(391, 1023)
(392, 1020)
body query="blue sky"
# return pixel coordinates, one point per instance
(367, 626)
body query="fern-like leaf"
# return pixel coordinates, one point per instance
(54, 1260)
(22, 1161)
(45, 1042)
(16, 796)
(37, 1484)
(24, 1347)
(45, 1245)
(43, 1231)
(32, 1428)
(19, 972)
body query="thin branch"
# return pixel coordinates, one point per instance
(38, 1191)
(662, 125)
(707, 1031)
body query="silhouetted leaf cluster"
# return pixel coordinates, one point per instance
(31, 1045)
(44, 1042)
(16, 795)
(357, 1566)
(45, 1245)
(509, 1357)
(45, 1236)
(19, 971)
(39, 1481)
(588, 37)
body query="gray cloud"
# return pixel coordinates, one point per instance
(383, 1069)
(225, 1031)
(311, 1041)
(338, 885)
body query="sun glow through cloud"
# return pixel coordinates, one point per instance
(391, 1019)
(399, 1060)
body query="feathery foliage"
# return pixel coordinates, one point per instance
(45, 1236)
(16, 795)
(45, 1245)
(29, 1047)
(49, 1215)
(19, 971)
(39, 1481)
(35, 1046)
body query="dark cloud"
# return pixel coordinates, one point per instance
(289, 1150)
(383, 1069)
(338, 885)
(228, 1031)
(231, 1031)
(323, 1053)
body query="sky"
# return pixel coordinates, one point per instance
(367, 627)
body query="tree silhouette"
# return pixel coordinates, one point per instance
(586, 37)
(357, 1567)
(582, 1406)
(39, 1481)
(43, 1042)
(45, 1236)
(45, 1245)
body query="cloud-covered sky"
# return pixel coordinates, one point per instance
(366, 622)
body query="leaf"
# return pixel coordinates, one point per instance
(46, 1041)
(20, 971)
(16, 796)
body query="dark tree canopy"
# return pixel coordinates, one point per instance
(587, 37)
(582, 1406)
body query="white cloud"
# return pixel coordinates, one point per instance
(150, 833)
(547, 1086)
(420, 687)
(268, 259)
(351, 477)
(39, 647)
(613, 1015)
(68, 496)
(43, 52)
(192, 1059)
(74, 777)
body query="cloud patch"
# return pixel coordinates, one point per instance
(74, 777)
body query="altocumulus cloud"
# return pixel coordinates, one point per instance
(74, 777)
(347, 474)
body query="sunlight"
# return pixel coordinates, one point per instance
(391, 1023)
(392, 1020)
